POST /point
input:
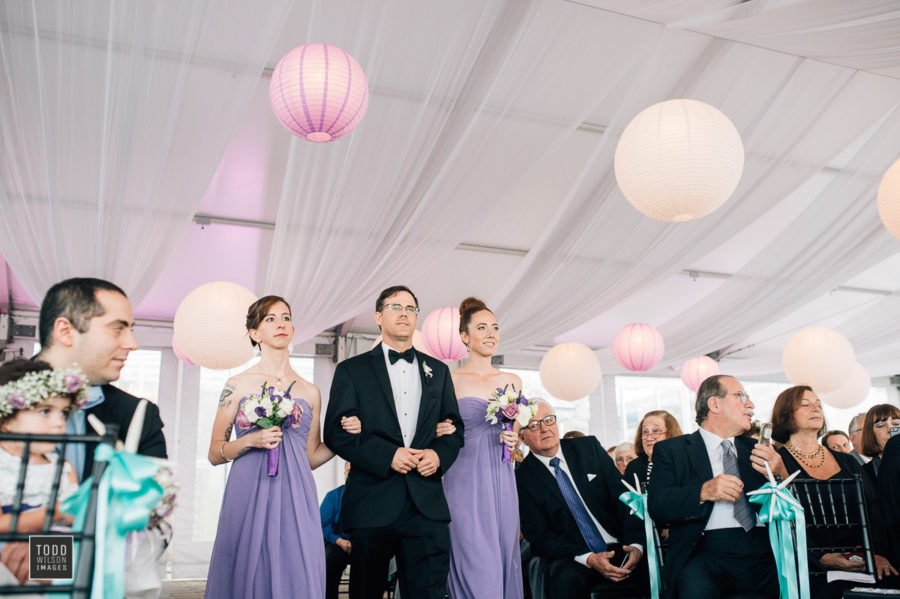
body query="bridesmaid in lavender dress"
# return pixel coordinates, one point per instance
(269, 540)
(480, 488)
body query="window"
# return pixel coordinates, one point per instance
(140, 375)
(571, 415)
(210, 480)
(637, 395)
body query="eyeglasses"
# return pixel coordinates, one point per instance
(657, 432)
(547, 421)
(741, 395)
(398, 307)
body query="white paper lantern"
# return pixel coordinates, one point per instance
(679, 160)
(440, 335)
(819, 357)
(570, 371)
(696, 370)
(889, 199)
(210, 325)
(418, 341)
(638, 347)
(853, 392)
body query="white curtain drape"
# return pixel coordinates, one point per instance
(351, 220)
(113, 117)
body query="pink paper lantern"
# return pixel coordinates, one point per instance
(318, 92)
(638, 347)
(696, 370)
(179, 353)
(440, 332)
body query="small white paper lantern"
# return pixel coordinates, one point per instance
(819, 357)
(889, 199)
(570, 371)
(853, 392)
(210, 325)
(679, 160)
(696, 370)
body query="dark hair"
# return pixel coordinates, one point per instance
(258, 310)
(467, 309)
(379, 303)
(573, 435)
(879, 413)
(16, 369)
(830, 434)
(673, 429)
(76, 301)
(783, 425)
(711, 387)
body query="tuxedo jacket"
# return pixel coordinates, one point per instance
(546, 520)
(374, 493)
(117, 408)
(680, 467)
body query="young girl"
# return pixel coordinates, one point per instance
(35, 399)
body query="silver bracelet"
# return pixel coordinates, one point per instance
(222, 451)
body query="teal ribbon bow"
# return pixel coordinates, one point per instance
(779, 507)
(638, 504)
(126, 495)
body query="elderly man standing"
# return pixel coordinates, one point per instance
(568, 502)
(855, 428)
(717, 544)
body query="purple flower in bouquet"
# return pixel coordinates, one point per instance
(296, 415)
(72, 382)
(260, 411)
(17, 400)
(510, 411)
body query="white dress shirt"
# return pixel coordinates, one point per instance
(407, 389)
(722, 515)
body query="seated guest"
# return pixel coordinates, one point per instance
(797, 420)
(876, 431)
(889, 493)
(622, 455)
(837, 441)
(337, 546)
(717, 544)
(855, 436)
(654, 427)
(571, 515)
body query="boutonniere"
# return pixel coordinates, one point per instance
(426, 369)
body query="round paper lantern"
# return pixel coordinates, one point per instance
(418, 341)
(638, 347)
(440, 335)
(819, 357)
(853, 392)
(696, 370)
(889, 199)
(679, 160)
(570, 371)
(210, 325)
(318, 92)
(180, 354)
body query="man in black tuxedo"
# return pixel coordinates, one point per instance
(572, 517)
(88, 322)
(394, 501)
(717, 544)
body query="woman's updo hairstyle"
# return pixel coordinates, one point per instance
(468, 308)
(258, 310)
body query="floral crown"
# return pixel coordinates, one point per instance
(35, 387)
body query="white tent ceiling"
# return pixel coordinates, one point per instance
(484, 165)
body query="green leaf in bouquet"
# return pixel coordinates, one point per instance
(265, 422)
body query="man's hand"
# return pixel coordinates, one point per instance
(428, 462)
(600, 563)
(343, 544)
(883, 567)
(836, 561)
(723, 487)
(766, 453)
(15, 557)
(405, 459)
(634, 556)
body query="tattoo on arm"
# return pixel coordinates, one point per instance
(224, 402)
(241, 452)
(228, 433)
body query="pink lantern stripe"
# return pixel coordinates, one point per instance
(347, 89)
(324, 110)
(302, 83)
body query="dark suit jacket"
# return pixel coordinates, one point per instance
(680, 467)
(374, 494)
(546, 520)
(889, 494)
(117, 408)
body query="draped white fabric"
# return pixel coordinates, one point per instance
(422, 170)
(115, 115)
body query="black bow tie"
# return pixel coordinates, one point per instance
(408, 355)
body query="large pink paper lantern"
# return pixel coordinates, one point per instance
(638, 347)
(696, 370)
(440, 333)
(570, 371)
(180, 354)
(318, 92)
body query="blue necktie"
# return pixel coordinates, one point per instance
(586, 525)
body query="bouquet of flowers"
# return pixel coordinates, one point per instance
(271, 407)
(508, 406)
(159, 517)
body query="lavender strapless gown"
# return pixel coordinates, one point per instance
(269, 541)
(484, 531)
